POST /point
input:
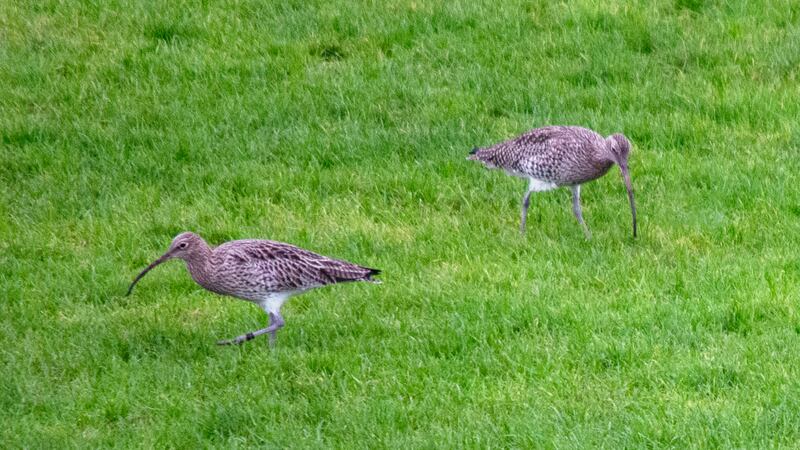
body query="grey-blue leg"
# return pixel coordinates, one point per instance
(534, 185)
(576, 208)
(526, 201)
(276, 323)
(274, 319)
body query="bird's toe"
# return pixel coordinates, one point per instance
(229, 341)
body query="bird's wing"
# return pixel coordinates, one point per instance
(284, 266)
(537, 153)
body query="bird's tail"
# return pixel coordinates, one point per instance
(335, 271)
(486, 156)
(371, 273)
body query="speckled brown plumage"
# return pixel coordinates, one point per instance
(261, 271)
(557, 156)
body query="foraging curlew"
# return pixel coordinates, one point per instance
(556, 156)
(264, 272)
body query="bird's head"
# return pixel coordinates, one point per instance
(619, 147)
(185, 246)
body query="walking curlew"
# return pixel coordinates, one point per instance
(264, 272)
(556, 156)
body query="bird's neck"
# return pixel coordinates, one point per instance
(606, 154)
(197, 264)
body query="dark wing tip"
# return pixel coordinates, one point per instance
(372, 272)
(350, 273)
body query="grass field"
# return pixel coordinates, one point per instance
(343, 128)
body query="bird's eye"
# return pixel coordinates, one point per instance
(183, 245)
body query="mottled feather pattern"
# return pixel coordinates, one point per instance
(557, 154)
(248, 268)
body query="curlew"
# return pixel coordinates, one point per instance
(556, 156)
(264, 272)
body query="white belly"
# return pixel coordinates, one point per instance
(540, 185)
(273, 302)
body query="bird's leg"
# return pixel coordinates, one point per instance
(275, 325)
(273, 332)
(526, 201)
(576, 208)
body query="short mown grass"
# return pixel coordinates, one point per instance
(342, 127)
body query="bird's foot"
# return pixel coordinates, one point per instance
(238, 340)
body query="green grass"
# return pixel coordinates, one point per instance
(343, 128)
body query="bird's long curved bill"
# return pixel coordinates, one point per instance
(627, 177)
(144, 272)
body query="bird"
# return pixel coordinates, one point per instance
(264, 272)
(556, 156)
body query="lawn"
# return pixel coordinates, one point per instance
(343, 127)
